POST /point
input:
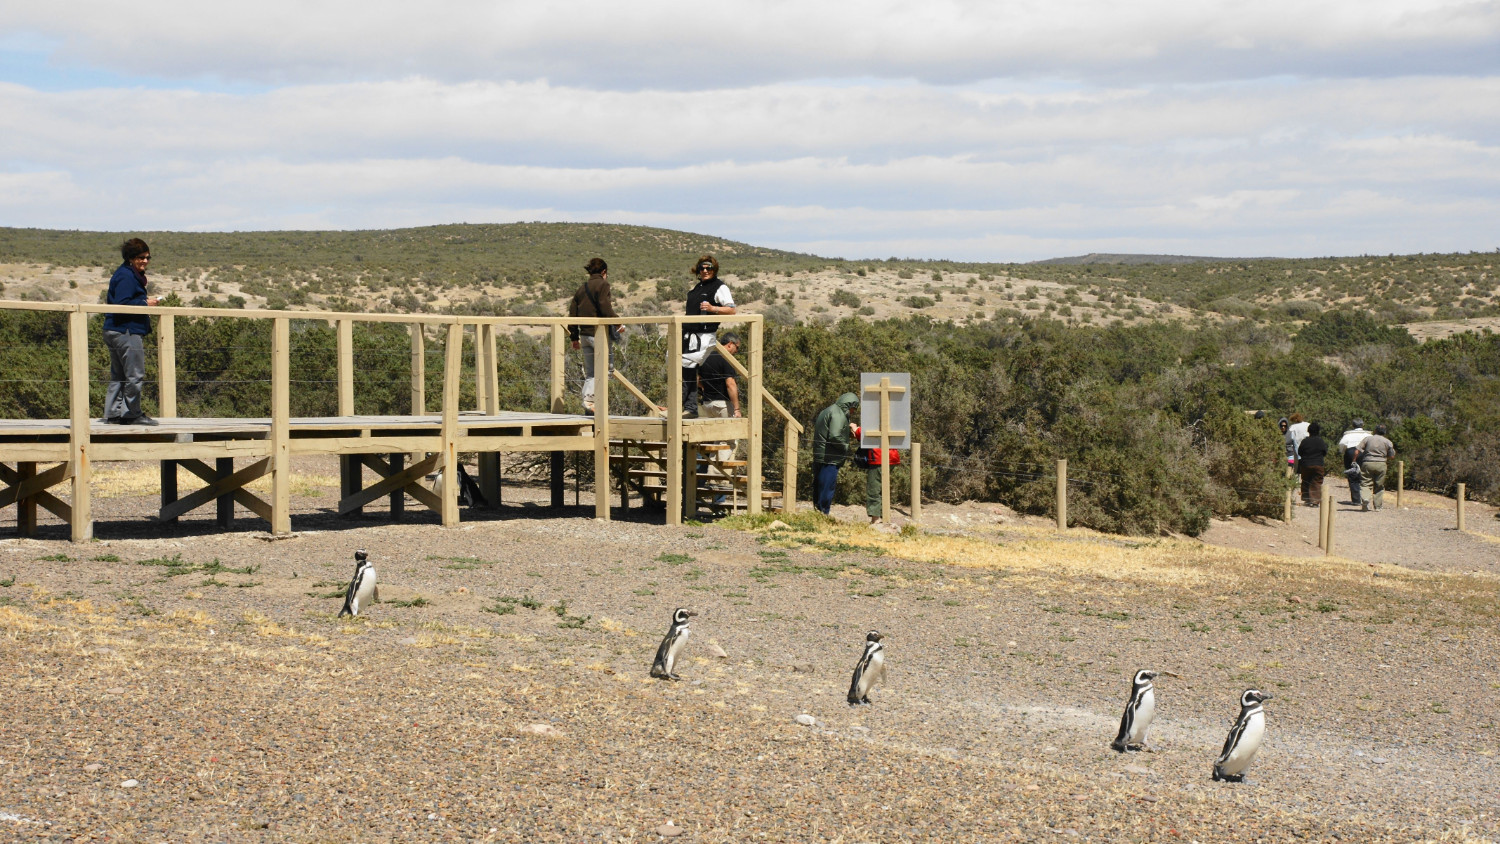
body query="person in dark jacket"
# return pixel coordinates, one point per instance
(832, 435)
(592, 299)
(125, 337)
(1312, 454)
(709, 295)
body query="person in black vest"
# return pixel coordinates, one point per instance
(708, 296)
(125, 336)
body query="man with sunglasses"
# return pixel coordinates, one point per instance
(709, 296)
(125, 336)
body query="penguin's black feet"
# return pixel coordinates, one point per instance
(673, 677)
(1218, 777)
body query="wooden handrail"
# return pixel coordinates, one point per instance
(764, 393)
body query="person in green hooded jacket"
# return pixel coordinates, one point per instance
(832, 444)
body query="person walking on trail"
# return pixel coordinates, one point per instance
(1348, 445)
(125, 336)
(1312, 454)
(832, 434)
(874, 490)
(1291, 448)
(708, 296)
(592, 299)
(1296, 431)
(1374, 453)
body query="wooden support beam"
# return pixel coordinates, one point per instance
(418, 370)
(916, 482)
(398, 496)
(557, 369)
(281, 401)
(406, 480)
(675, 443)
(757, 414)
(349, 467)
(1062, 494)
(224, 505)
(601, 422)
(25, 507)
(451, 367)
(168, 483)
(26, 502)
(654, 408)
(166, 366)
(789, 455)
(229, 493)
(80, 445)
(765, 395)
(220, 486)
(25, 486)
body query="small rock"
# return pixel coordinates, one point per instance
(1379, 760)
(806, 720)
(716, 651)
(409, 640)
(540, 730)
(92, 767)
(117, 690)
(130, 784)
(778, 525)
(1293, 599)
(1049, 749)
(668, 830)
(1011, 644)
(858, 729)
(1150, 798)
(1136, 769)
(801, 668)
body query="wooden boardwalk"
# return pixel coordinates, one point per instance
(209, 447)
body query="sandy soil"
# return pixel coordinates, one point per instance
(173, 683)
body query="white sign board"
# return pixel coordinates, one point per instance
(869, 408)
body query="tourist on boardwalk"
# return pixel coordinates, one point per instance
(1374, 453)
(125, 337)
(1312, 454)
(1348, 445)
(592, 299)
(832, 432)
(708, 296)
(721, 394)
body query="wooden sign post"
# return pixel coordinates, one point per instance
(884, 390)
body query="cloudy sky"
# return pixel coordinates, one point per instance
(1004, 130)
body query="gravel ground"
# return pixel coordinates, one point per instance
(499, 690)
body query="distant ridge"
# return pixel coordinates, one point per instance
(1106, 258)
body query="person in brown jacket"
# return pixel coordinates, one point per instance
(593, 300)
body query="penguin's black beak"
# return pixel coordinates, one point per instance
(1266, 696)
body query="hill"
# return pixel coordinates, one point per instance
(532, 268)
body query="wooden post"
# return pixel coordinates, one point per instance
(601, 421)
(453, 363)
(1286, 510)
(916, 482)
(166, 366)
(1062, 495)
(25, 507)
(756, 413)
(789, 469)
(351, 466)
(559, 362)
(675, 455)
(489, 461)
(885, 389)
(398, 497)
(1323, 511)
(1460, 503)
(1328, 540)
(281, 404)
(418, 369)
(1400, 481)
(224, 504)
(80, 438)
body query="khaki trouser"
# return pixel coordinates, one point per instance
(1372, 482)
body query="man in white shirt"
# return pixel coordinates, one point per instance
(1351, 439)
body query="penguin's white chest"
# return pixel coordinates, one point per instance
(364, 591)
(1243, 753)
(1140, 722)
(676, 648)
(874, 671)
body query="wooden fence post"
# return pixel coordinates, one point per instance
(789, 451)
(601, 421)
(916, 482)
(166, 396)
(351, 466)
(452, 364)
(80, 423)
(1460, 507)
(558, 369)
(1286, 509)
(756, 413)
(281, 404)
(676, 500)
(1323, 511)
(1328, 541)
(1062, 495)
(1400, 481)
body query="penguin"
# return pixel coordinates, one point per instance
(362, 590)
(1244, 738)
(671, 646)
(869, 671)
(1139, 711)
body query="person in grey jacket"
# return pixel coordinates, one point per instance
(1373, 456)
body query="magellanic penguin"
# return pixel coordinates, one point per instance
(1244, 739)
(1139, 712)
(671, 646)
(869, 671)
(362, 589)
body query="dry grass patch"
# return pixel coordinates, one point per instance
(127, 480)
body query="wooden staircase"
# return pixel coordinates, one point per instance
(640, 469)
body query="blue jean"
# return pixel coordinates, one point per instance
(825, 478)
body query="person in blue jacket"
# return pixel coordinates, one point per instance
(125, 336)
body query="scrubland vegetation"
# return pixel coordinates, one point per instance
(1141, 375)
